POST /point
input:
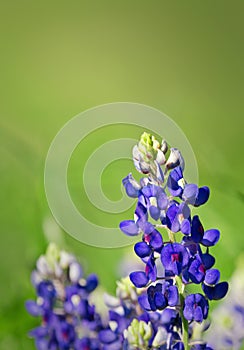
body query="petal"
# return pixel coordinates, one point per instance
(156, 240)
(210, 237)
(188, 312)
(173, 296)
(212, 276)
(168, 315)
(198, 315)
(208, 260)
(151, 270)
(142, 249)
(139, 279)
(197, 230)
(91, 283)
(162, 201)
(160, 301)
(171, 218)
(154, 212)
(220, 290)
(129, 227)
(143, 301)
(185, 227)
(159, 172)
(190, 193)
(202, 197)
(141, 212)
(173, 182)
(107, 336)
(131, 191)
(33, 308)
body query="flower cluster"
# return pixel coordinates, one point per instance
(68, 319)
(153, 307)
(165, 203)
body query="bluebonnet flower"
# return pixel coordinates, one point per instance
(153, 308)
(165, 196)
(195, 307)
(63, 303)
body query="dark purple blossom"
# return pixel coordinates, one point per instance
(174, 257)
(195, 307)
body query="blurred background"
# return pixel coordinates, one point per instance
(59, 58)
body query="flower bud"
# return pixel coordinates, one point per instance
(175, 159)
(138, 333)
(75, 272)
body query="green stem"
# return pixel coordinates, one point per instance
(185, 331)
(181, 288)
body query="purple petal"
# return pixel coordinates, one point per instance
(160, 301)
(143, 301)
(33, 308)
(139, 279)
(212, 276)
(198, 314)
(173, 182)
(202, 197)
(197, 230)
(151, 270)
(142, 249)
(217, 292)
(210, 237)
(154, 212)
(185, 227)
(190, 193)
(39, 332)
(141, 212)
(208, 260)
(162, 201)
(171, 218)
(156, 240)
(107, 336)
(129, 227)
(173, 296)
(131, 190)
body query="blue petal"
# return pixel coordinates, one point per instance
(143, 301)
(172, 183)
(139, 279)
(154, 212)
(91, 283)
(131, 190)
(190, 193)
(160, 301)
(173, 296)
(212, 276)
(208, 260)
(217, 292)
(210, 237)
(33, 308)
(142, 249)
(107, 336)
(185, 227)
(203, 195)
(129, 227)
(197, 230)
(162, 201)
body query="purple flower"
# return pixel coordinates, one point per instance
(160, 296)
(174, 257)
(195, 307)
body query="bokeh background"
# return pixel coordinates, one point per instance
(59, 58)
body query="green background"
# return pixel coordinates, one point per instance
(59, 58)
